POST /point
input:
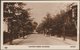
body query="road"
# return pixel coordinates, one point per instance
(39, 39)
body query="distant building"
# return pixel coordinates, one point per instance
(5, 26)
(72, 13)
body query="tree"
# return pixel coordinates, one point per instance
(18, 19)
(45, 26)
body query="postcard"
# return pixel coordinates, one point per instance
(39, 25)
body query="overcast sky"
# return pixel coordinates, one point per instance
(39, 10)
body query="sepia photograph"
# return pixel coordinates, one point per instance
(39, 23)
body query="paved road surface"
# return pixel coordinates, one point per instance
(39, 39)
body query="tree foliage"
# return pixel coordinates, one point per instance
(59, 24)
(19, 21)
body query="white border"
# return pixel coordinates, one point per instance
(51, 46)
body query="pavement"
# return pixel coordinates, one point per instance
(40, 39)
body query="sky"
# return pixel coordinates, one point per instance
(39, 10)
